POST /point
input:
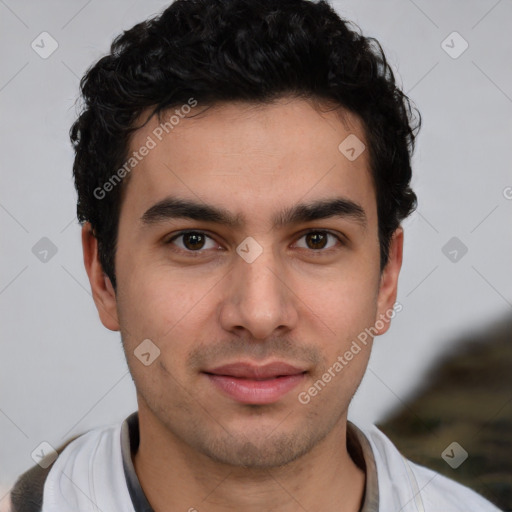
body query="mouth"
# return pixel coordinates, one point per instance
(251, 384)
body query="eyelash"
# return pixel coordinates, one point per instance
(200, 252)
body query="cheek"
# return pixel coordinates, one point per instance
(346, 301)
(344, 309)
(165, 306)
(152, 309)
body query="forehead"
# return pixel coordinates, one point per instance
(251, 158)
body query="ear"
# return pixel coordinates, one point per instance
(102, 290)
(389, 282)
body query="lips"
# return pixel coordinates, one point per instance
(249, 371)
(251, 384)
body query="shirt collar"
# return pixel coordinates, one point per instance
(357, 445)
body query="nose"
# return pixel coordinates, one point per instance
(259, 298)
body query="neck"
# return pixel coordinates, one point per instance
(174, 476)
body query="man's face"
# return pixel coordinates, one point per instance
(215, 298)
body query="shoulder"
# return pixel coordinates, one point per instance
(89, 456)
(440, 492)
(27, 492)
(411, 486)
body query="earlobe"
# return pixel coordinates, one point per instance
(389, 282)
(103, 292)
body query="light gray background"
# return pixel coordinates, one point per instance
(62, 372)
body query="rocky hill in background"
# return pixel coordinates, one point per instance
(467, 399)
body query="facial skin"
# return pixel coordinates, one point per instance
(202, 309)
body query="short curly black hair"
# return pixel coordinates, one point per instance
(218, 51)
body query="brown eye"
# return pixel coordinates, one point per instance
(192, 241)
(318, 240)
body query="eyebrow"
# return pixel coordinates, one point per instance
(178, 208)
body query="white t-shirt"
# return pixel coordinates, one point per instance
(95, 473)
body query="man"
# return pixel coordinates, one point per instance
(242, 171)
